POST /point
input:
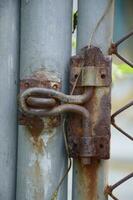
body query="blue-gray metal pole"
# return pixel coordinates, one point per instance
(89, 182)
(45, 44)
(9, 54)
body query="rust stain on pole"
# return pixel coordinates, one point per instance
(35, 182)
(39, 131)
(38, 194)
(36, 125)
(88, 180)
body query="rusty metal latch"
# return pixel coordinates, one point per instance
(41, 97)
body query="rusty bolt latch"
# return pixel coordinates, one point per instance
(43, 99)
(39, 102)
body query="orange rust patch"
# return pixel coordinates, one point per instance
(53, 121)
(35, 127)
(107, 190)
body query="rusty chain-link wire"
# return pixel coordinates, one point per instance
(114, 50)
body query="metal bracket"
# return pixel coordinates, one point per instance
(88, 134)
(93, 70)
(40, 79)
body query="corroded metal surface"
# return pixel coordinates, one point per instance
(39, 79)
(36, 125)
(88, 179)
(43, 111)
(98, 105)
(38, 130)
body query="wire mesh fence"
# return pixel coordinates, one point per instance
(114, 50)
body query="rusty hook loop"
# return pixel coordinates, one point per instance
(50, 93)
(41, 102)
(40, 97)
(66, 108)
(59, 110)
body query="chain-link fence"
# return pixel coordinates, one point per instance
(114, 50)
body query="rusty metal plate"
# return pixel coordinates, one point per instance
(93, 70)
(41, 79)
(96, 146)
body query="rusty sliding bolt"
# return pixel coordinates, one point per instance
(117, 113)
(114, 49)
(34, 97)
(56, 111)
(70, 108)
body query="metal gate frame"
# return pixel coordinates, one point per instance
(45, 51)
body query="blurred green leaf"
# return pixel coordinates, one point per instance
(125, 68)
(120, 70)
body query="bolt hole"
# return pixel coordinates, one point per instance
(101, 146)
(103, 76)
(76, 76)
(27, 85)
(55, 86)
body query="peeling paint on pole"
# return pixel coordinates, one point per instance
(45, 45)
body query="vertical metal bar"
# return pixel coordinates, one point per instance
(9, 51)
(45, 44)
(89, 181)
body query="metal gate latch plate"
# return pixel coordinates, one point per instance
(88, 128)
(39, 79)
(93, 70)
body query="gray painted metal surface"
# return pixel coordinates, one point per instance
(9, 30)
(89, 183)
(45, 44)
(90, 11)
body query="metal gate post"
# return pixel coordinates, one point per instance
(89, 181)
(9, 51)
(45, 46)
